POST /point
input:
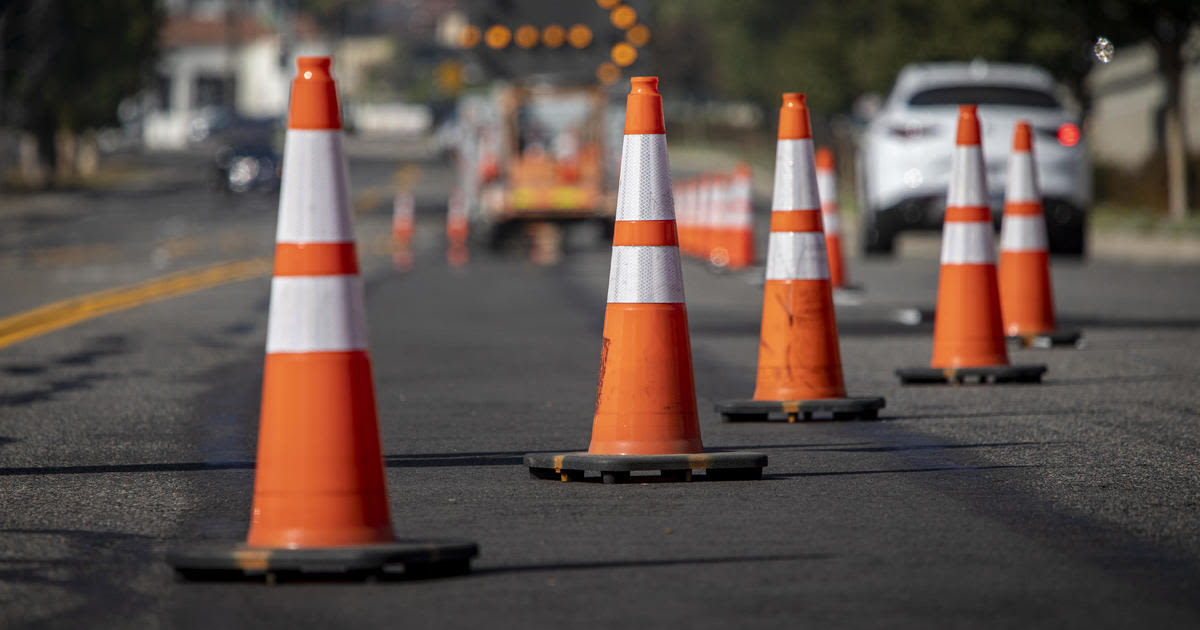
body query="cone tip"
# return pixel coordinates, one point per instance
(643, 85)
(1023, 137)
(793, 99)
(824, 159)
(968, 126)
(643, 110)
(314, 102)
(793, 117)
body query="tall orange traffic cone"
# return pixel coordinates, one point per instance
(799, 364)
(741, 219)
(831, 218)
(403, 207)
(1026, 299)
(968, 336)
(320, 500)
(646, 398)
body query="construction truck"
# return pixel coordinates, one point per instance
(547, 158)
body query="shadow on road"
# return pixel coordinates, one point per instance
(839, 473)
(628, 564)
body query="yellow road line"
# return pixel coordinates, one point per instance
(58, 315)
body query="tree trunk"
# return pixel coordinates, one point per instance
(1174, 132)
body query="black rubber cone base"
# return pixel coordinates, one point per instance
(851, 408)
(418, 559)
(1054, 338)
(981, 375)
(716, 466)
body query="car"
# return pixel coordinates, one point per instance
(903, 163)
(245, 158)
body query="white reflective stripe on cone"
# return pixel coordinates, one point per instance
(968, 185)
(1023, 234)
(826, 187)
(795, 176)
(644, 190)
(832, 222)
(402, 206)
(645, 274)
(314, 201)
(968, 243)
(316, 314)
(797, 256)
(1022, 179)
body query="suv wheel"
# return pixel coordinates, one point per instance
(878, 238)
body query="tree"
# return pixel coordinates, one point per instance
(836, 50)
(67, 65)
(1168, 24)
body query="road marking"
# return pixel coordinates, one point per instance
(68, 312)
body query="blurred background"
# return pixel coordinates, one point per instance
(525, 97)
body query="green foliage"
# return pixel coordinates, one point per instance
(67, 65)
(835, 50)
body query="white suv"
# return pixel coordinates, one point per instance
(904, 155)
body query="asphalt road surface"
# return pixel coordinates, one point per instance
(1074, 503)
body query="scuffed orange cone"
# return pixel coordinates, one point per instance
(1026, 297)
(320, 500)
(799, 363)
(645, 417)
(968, 335)
(831, 218)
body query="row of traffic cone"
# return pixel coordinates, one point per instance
(320, 501)
(716, 218)
(977, 306)
(404, 228)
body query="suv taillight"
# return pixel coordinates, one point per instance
(1068, 134)
(911, 130)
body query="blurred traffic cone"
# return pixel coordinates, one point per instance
(457, 229)
(688, 234)
(1026, 298)
(402, 230)
(646, 398)
(831, 218)
(320, 500)
(741, 219)
(799, 363)
(706, 214)
(968, 336)
(718, 251)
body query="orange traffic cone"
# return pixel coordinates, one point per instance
(1026, 299)
(831, 218)
(799, 364)
(646, 398)
(718, 251)
(691, 244)
(320, 500)
(741, 219)
(402, 230)
(968, 336)
(706, 211)
(457, 229)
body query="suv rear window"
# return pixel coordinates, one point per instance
(984, 95)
